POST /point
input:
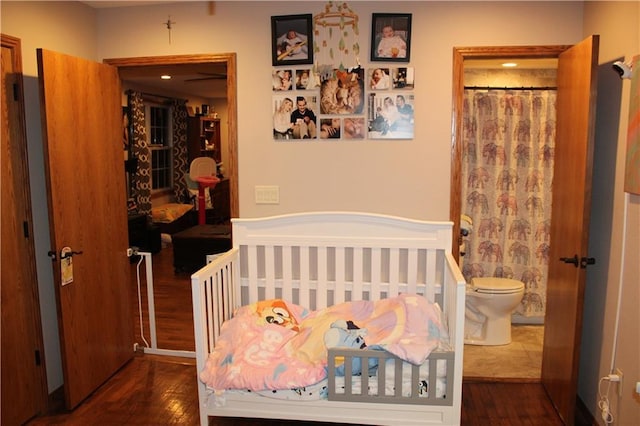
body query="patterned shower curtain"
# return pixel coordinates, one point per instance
(141, 179)
(507, 170)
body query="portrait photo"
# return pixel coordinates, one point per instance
(379, 79)
(391, 115)
(391, 37)
(292, 39)
(330, 128)
(294, 117)
(304, 81)
(281, 79)
(343, 92)
(354, 128)
(402, 78)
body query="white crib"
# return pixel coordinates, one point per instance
(324, 258)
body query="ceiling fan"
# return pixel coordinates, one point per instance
(209, 76)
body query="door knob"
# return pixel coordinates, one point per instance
(64, 254)
(574, 260)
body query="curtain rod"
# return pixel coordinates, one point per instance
(510, 88)
(169, 98)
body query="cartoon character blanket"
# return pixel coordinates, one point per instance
(275, 344)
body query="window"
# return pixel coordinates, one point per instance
(159, 126)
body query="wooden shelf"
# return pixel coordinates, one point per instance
(203, 131)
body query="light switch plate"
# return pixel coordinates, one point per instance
(267, 194)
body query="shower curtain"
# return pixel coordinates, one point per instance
(507, 170)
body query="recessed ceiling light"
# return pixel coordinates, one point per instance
(509, 64)
(165, 77)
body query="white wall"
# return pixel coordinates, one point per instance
(617, 268)
(409, 178)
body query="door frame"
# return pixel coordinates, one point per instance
(26, 282)
(232, 103)
(459, 55)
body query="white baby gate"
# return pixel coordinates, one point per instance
(153, 347)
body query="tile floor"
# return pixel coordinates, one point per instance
(521, 359)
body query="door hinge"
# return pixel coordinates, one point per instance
(16, 92)
(38, 357)
(25, 227)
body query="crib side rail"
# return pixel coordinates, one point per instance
(392, 381)
(214, 297)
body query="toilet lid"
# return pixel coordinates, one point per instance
(496, 285)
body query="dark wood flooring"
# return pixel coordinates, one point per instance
(160, 390)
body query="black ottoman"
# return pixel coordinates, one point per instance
(191, 246)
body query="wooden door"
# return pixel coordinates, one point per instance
(24, 388)
(571, 204)
(81, 114)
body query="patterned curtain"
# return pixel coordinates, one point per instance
(508, 144)
(180, 157)
(141, 179)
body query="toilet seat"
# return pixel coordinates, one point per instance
(492, 285)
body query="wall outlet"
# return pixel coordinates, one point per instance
(619, 373)
(267, 194)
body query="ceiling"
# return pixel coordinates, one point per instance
(537, 63)
(106, 4)
(201, 80)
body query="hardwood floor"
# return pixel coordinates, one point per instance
(161, 390)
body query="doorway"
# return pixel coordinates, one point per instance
(527, 339)
(169, 63)
(210, 76)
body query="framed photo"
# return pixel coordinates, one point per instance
(391, 37)
(292, 39)
(391, 115)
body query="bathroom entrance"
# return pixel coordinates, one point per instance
(569, 231)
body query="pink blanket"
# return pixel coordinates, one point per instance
(274, 344)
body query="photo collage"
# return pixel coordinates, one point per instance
(323, 102)
(375, 103)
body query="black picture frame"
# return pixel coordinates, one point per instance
(292, 52)
(401, 24)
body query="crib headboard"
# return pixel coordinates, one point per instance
(319, 259)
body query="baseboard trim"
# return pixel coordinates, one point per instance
(481, 379)
(583, 415)
(56, 401)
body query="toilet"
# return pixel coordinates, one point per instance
(489, 305)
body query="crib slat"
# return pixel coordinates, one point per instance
(287, 293)
(382, 377)
(376, 273)
(433, 378)
(412, 272)
(269, 272)
(321, 293)
(356, 293)
(430, 278)
(304, 276)
(394, 272)
(397, 378)
(252, 269)
(339, 289)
